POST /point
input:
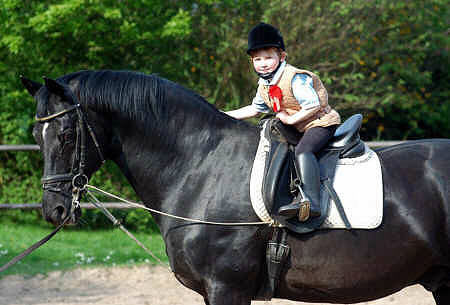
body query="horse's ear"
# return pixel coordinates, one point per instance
(55, 87)
(30, 85)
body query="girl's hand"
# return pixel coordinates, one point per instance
(284, 117)
(299, 116)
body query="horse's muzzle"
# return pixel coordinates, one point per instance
(56, 208)
(59, 213)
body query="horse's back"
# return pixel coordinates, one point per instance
(427, 148)
(422, 163)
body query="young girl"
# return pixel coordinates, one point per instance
(298, 98)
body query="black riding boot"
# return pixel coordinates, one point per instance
(310, 178)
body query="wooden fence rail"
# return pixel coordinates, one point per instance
(84, 205)
(25, 147)
(115, 205)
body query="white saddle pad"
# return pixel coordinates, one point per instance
(358, 183)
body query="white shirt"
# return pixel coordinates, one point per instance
(302, 88)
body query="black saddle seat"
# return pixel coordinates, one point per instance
(346, 138)
(347, 133)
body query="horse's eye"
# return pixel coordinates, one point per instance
(69, 136)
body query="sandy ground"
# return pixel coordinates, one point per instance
(135, 286)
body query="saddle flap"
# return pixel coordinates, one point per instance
(274, 168)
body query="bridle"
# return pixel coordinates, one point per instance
(77, 175)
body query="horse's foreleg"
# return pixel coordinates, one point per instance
(442, 295)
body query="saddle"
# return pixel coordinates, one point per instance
(280, 177)
(279, 187)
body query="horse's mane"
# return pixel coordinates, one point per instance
(137, 96)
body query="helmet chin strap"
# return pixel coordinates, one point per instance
(269, 75)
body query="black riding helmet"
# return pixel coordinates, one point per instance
(263, 36)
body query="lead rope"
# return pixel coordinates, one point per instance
(177, 217)
(116, 222)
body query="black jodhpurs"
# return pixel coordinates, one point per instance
(314, 139)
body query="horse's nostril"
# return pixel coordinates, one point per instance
(59, 213)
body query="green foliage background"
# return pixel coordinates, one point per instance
(386, 59)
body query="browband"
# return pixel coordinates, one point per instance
(52, 116)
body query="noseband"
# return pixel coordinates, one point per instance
(77, 174)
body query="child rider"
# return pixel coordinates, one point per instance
(298, 98)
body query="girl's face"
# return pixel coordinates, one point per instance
(266, 60)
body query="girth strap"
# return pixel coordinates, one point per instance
(277, 253)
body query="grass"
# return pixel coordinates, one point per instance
(73, 248)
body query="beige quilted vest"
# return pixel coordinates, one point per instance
(326, 116)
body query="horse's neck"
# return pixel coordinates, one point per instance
(203, 174)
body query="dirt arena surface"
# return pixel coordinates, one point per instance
(136, 286)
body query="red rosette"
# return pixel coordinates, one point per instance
(276, 95)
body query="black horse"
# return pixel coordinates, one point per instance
(184, 157)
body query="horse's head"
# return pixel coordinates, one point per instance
(69, 145)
